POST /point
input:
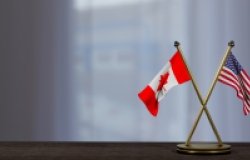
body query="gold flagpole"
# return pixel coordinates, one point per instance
(177, 45)
(205, 148)
(230, 46)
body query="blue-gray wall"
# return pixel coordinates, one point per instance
(72, 73)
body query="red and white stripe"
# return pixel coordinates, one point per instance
(240, 83)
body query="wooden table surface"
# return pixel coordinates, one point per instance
(109, 151)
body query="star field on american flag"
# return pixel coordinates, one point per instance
(233, 64)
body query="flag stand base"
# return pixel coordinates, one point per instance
(203, 148)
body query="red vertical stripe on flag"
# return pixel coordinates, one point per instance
(179, 68)
(147, 95)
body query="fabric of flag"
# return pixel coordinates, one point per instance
(234, 75)
(175, 72)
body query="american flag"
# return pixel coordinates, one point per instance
(234, 75)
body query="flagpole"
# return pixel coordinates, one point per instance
(230, 45)
(177, 45)
(204, 148)
(203, 107)
(228, 51)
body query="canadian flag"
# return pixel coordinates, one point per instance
(175, 72)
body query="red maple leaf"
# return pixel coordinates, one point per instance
(162, 81)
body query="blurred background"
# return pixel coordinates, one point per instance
(70, 70)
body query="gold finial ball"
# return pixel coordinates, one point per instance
(231, 43)
(176, 43)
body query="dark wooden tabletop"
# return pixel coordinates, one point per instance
(109, 151)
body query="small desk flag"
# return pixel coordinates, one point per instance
(234, 75)
(175, 72)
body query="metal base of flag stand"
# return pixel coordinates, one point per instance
(204, 148)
